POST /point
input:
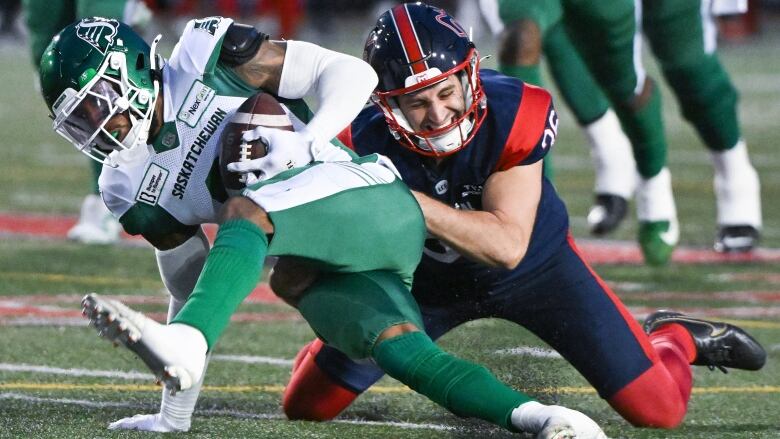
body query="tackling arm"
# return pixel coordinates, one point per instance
(509, 200)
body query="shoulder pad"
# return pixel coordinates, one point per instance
(240, 44)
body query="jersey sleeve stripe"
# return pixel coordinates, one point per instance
(345, 136)
(527, 128)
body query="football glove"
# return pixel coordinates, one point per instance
(285, 150)
(151, 422)
(555, 422)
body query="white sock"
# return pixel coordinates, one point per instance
(177, 409)
(654, 198)
(737, 188)
(612, 156)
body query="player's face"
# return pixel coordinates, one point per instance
(434, 107)
(119, 126)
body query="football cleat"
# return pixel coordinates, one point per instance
(96, 225)
(174, 353)
(607, 213)
(657, 240)
(736, 239)
(718, 344)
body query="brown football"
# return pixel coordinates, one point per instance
(260, 109)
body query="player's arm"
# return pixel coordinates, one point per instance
(341, 83)
(497, 236)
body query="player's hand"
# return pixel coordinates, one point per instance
(555, 422)
(284, 150)
(151, 422)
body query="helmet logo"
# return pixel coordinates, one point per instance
(97, 32)
(447, 21)
(420, 77)
(208, 25)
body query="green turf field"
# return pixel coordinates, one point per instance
(58, 379)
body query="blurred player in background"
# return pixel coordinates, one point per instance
(470, 143)
(527, 31)
(45, 18)
(683, 38)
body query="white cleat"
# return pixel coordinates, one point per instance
(96, 224)
(175, 353)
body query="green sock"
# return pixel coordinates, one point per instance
(461, 387)
(528, 74)
(232, 270)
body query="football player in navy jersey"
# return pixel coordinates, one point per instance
(470, 144)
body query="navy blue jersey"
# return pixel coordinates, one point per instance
(519, 129)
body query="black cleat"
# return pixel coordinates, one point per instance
(607, 213)
(736, 239)
(718, 344)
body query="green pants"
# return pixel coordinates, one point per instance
(350, 311)
(683, 39)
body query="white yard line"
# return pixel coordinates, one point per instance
(230, 413)
(252, 359)
(133, 375)
(531, 351)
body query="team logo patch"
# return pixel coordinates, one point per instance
(195, 104)
(441, 187)
(97, 32)
(152, 185)
(208, 25)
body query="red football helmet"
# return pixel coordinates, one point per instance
(414, 46)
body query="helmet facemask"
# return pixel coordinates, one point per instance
(452, 137)
(81, 117)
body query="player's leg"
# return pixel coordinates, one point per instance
(325, 381)
(373, 315)
(647, 379)
(606, 35)
(44, 19)
(610, 148)
(682, 35)
(176, 352)
(520, 43)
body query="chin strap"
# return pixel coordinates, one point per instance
(143, 135)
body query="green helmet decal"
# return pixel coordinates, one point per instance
(98, 32)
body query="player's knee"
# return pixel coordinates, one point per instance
(395, 331)
(311, 394)
(521, 43)
(652, 400)
(244, 208)
(290, 278)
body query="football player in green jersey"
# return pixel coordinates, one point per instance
(44, 19)
(530, 30)
(683, 38)
(155, 129)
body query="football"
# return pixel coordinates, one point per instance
(260, 109)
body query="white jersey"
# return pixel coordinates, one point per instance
(177, 184)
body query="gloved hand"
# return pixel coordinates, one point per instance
(150, 422)
(285, 150)
(555, 422)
